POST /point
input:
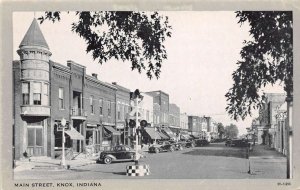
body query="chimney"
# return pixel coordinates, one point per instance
(95, 75)
(114, 83)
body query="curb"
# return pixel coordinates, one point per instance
(81, 165)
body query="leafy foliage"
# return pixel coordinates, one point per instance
(267, 59)
(231, 131)
(124, 35)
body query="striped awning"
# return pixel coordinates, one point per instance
(152, 133)
(163, 136)
(74, 134)
(112, 130)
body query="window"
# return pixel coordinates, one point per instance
(109, 108)
(37, 88)
(119, 111)
(91, 104)
(46, 93)
(25, 93)
(101, 106)
(61, 98)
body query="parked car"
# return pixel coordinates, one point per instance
(162, 146)
(201, 142)
(177, 145)
(237, 143)
(117, 153)
(188, 144)
(228, 142)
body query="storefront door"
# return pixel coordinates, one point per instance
(35, 140)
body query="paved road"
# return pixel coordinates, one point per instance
(211, 162)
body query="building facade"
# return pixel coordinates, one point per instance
(212, 128)
(184, 121)
(162, 99)
(267, 113)
(46, 91)
(122, 111)
(174, 116)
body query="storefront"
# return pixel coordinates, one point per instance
(111, 137)
(36, 141)
(93, 137)
(150, 135)
(169, 133)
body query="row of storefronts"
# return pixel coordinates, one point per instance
(270, 128)
(97, 113)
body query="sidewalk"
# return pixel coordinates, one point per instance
(46, 163)
(267, 163)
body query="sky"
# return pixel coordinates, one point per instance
(202, 55)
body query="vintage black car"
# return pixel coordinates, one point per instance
(117, 153)
(201, 142)
(162, 146)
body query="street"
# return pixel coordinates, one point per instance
(215, 161)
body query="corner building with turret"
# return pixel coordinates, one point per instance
(46, 91)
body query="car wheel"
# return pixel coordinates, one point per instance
(107, 160)
(156, 150)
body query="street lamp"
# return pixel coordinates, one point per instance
(63, 124)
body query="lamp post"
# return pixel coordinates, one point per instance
(63, 158)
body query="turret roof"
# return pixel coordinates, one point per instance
(34, 36)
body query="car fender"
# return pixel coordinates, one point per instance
(111, 156)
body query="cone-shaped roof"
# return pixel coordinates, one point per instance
(34, 36)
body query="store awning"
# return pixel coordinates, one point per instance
(169, 132)
(174, 129)
(112, 130)
(152, 133)
(163, 136)
(74, 134)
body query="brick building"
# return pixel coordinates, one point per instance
(197, 126)
(184, 121)
(122, 111)
(174, 117)
(267, 119)
(46, 91)
(162, 99)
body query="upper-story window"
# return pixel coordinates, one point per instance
(37, 90)
(119, 111)
(46, 93)
(25, 93)
(61, 98)
(109, 108)
(101, 106)
(91, 104)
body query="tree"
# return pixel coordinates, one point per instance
(231, 131)
(137, 37)
(221, 130)
(267, 59)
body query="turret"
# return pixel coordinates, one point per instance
(34, 58)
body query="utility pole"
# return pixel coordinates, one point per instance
(136, 131)
(289, 100)
(63, 158)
